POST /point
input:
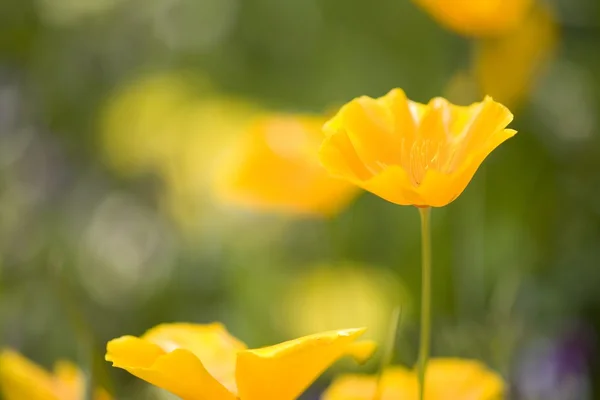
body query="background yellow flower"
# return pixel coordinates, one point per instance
(508, 66)
(21, 379)
(275, 167)
(447, 379)
(480, 17)
(322, 297)
(176, 129)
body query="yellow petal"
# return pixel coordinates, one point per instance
(351, 387)
(433, 134)
(71, 380)
(434, 125)
(478, 18)
(396, 383)
(128, 351)
(21, 379)
(338, 156)
(285, 370)
(532, 43)
(179, 371)
(405, 113)
(362, 351)
(101, 394)
(210, 343)
(369, 125)
(439, 189)
(487, 119)
(275, 167)
(447, 379)
(463, 379)
(394, 185)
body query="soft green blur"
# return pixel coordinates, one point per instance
(116, 114)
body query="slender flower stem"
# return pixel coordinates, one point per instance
(425, 338)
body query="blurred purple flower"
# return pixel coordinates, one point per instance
(556, 368)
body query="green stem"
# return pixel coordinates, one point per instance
(425, 338)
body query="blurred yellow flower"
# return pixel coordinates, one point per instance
(478, 17)
(462, 87)
(447, 379)
(532, 44)
(159, 123)
(275, 167)
(21, 379)
(410, 153)
(206, 130)
(165, 126)
(138, 123)
(204, 362)
(322, 297)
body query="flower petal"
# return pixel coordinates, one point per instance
(274, 167)
(454, 379)
(369, 125)
(406, 115)
(478, 18)
(101, 394)
(351, 387)
(362, 351)
(394, 185)
(432, 137)
(439, 189)
(21, 379)
(70, 381)
(532, 43)
(338, 156)
(129, 351)
(464, 379)
(488, 119)
(180, 371)
(395, 383)
(210, 343)
(434, 126)
(285, 370)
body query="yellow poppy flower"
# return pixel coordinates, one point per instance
(447, 379)
(204, 362)
(532, 43)
(275, 167)
(410, 153)
(477, 18)
(22, 379)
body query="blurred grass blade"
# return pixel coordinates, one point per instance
(388, 349)
(93, 367)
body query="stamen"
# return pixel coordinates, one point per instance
(424, 154)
